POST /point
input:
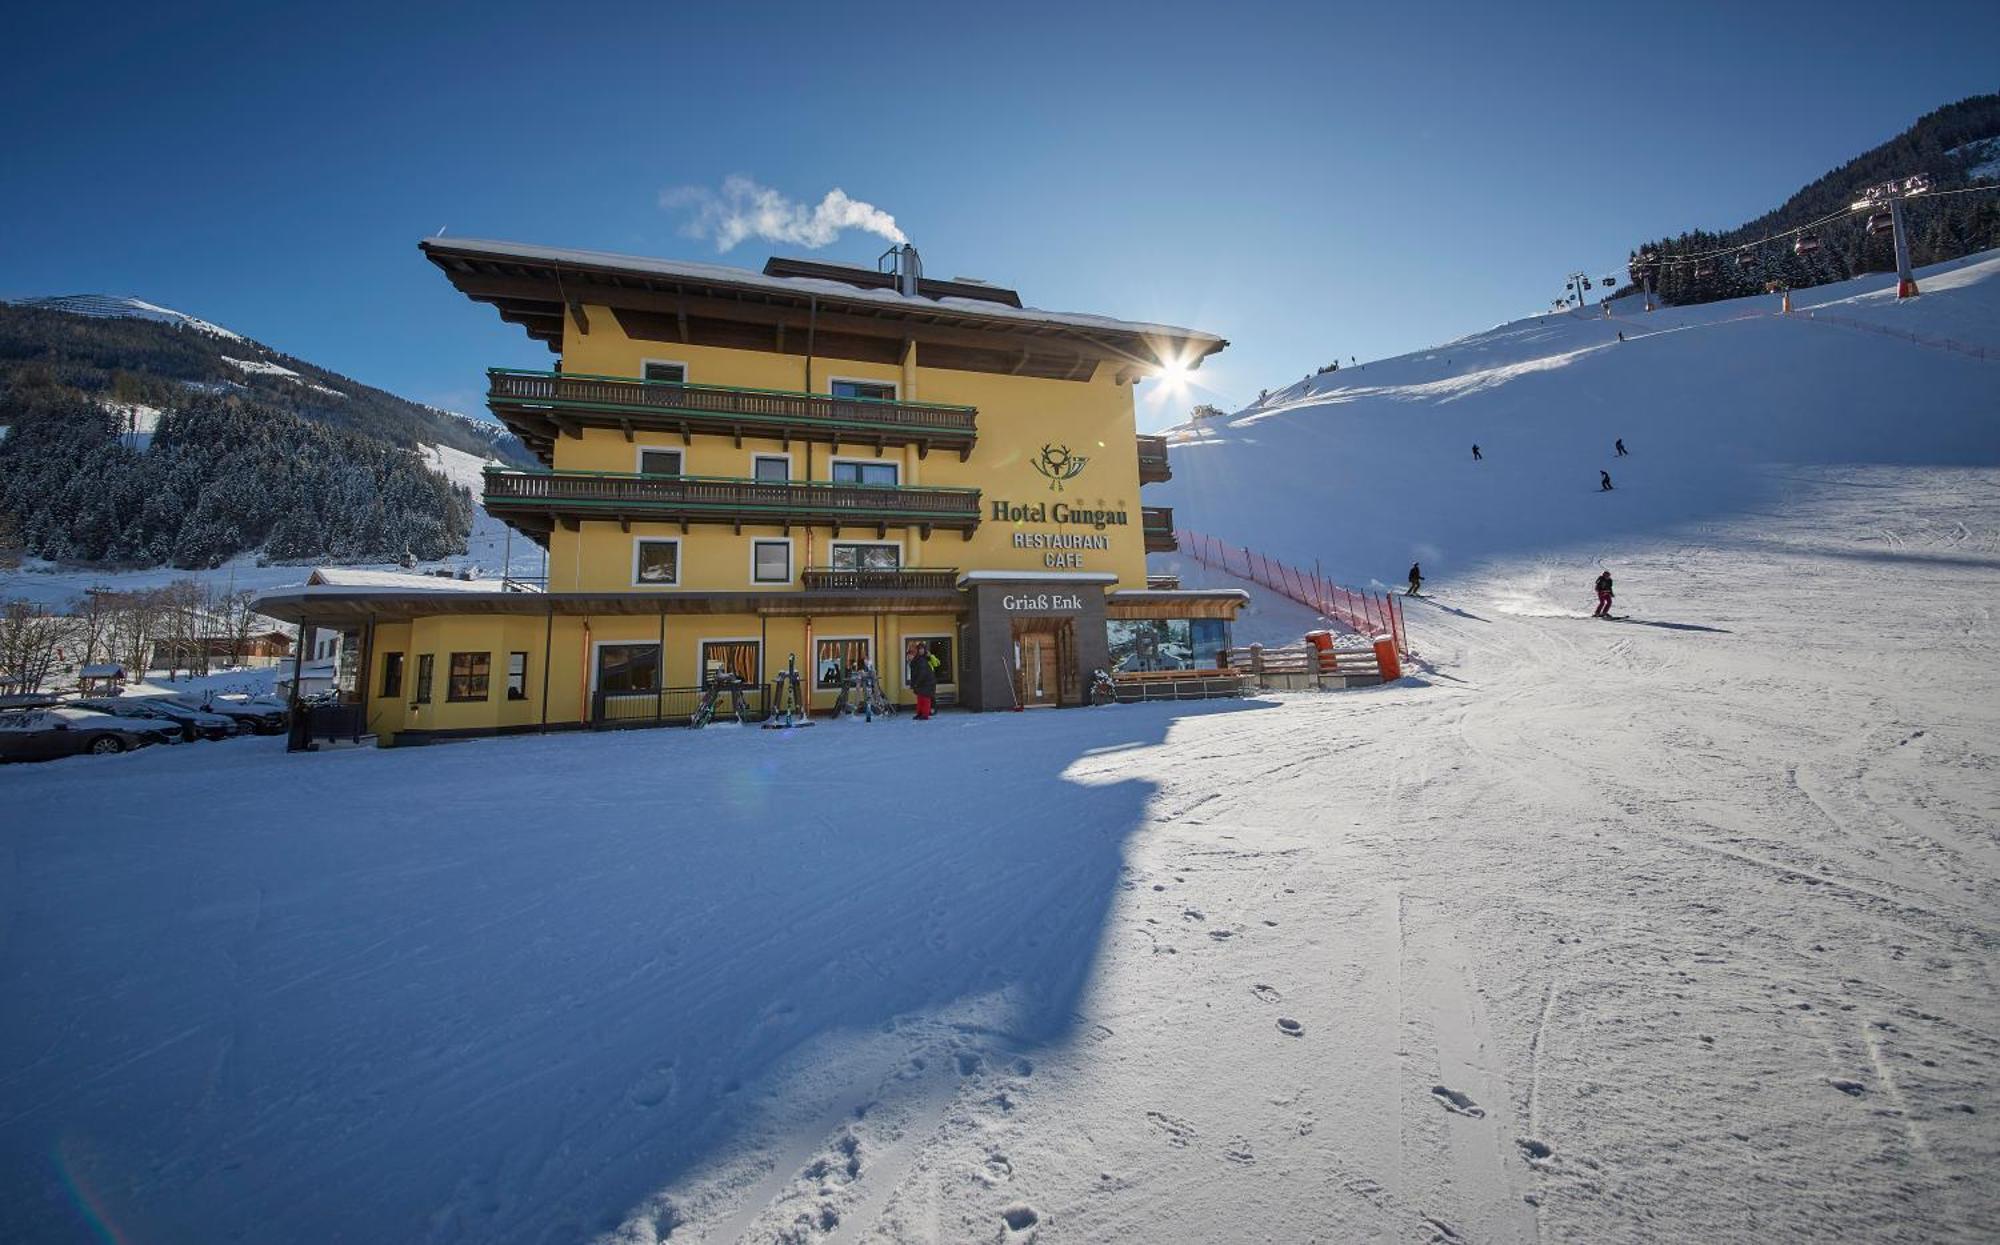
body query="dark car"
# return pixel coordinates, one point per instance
(260, 717)
(193, 723)
(43, 734)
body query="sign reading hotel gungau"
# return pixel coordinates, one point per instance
(1062, 550)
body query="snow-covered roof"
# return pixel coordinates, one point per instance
(744, 278)
(1015, 577)
(103, 670)
(401, 581)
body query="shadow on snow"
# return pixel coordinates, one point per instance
(508, 990)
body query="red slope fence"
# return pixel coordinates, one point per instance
(1370, 613)
(1969, 349)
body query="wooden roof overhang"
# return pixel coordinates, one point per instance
(539, 293)
(329, 607)
(1131, 603)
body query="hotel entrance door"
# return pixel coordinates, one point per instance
(1043, 653)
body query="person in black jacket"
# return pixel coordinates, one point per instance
(922, 679)
(1603, 595)
(1416, 579)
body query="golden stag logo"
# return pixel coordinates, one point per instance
(1058, 464)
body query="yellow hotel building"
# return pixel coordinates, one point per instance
(816, 465)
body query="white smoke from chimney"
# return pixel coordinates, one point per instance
(744, 209)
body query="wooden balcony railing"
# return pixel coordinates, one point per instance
(901, 579)
(1157, 523)
(1153, 465)
(534, 499)
(541, 405)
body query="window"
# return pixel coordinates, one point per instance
(656, 563)
(392, 675)
(875, 390)
(860, 557)
(517, 676)
(729, 657)
(659, 462)
(771, 561)
(859, 471)
(670, 373)
(468, 676)
(940, 648)
(771, 468)
(628, 667)
(1211, 643)
(832, 659)
(424, 663)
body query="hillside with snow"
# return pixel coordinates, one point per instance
(1680, 926)
(1725, 408)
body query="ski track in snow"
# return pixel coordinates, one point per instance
(1654, 935)
(1676, 928)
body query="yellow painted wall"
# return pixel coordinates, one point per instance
(570, 659)
(1017, 416)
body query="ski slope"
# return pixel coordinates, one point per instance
(1369, 468)
(1681, 928)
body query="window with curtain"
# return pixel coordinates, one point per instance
(737, 657)
(771, 561)
(425, 663)
(832, 659)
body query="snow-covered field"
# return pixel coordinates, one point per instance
(1680, 928)
(1675, 929)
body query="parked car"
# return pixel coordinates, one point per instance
(43, 734)
(194, 723)
(260, 718)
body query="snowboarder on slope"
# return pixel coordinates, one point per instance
(1603, 481)
(1620, 445)
(1603, 595)
(923, 680)
(1621, 335)
(1476, 455)
(1416, 579)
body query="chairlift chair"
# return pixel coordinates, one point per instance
(1881, 223)
(1806, 245)
(1745, 259)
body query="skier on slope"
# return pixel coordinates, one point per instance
(1603, 595)
(1603, 481)
(1416, 579)
(1476, 455)
(1619, 445)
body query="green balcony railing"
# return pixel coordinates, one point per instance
(511, 494)
(538, 404)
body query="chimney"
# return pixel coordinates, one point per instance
(909, 269)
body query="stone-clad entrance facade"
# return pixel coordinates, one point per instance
(1033, 637)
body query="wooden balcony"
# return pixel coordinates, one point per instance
(1153, 465)
(1157, 522)
(542, 406)
(902, 579)
(535, 501)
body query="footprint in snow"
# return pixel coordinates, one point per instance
(1536, 1151)
(1290, 1027)
(1853, 1089)
(1267, 994)
(1456, 1102)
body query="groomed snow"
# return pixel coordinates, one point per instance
(1678, 928)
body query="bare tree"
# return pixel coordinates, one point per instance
(136, 624)
(239, 620)
(32, 642)
(93, 613)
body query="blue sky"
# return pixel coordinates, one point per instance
(1311, 181)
